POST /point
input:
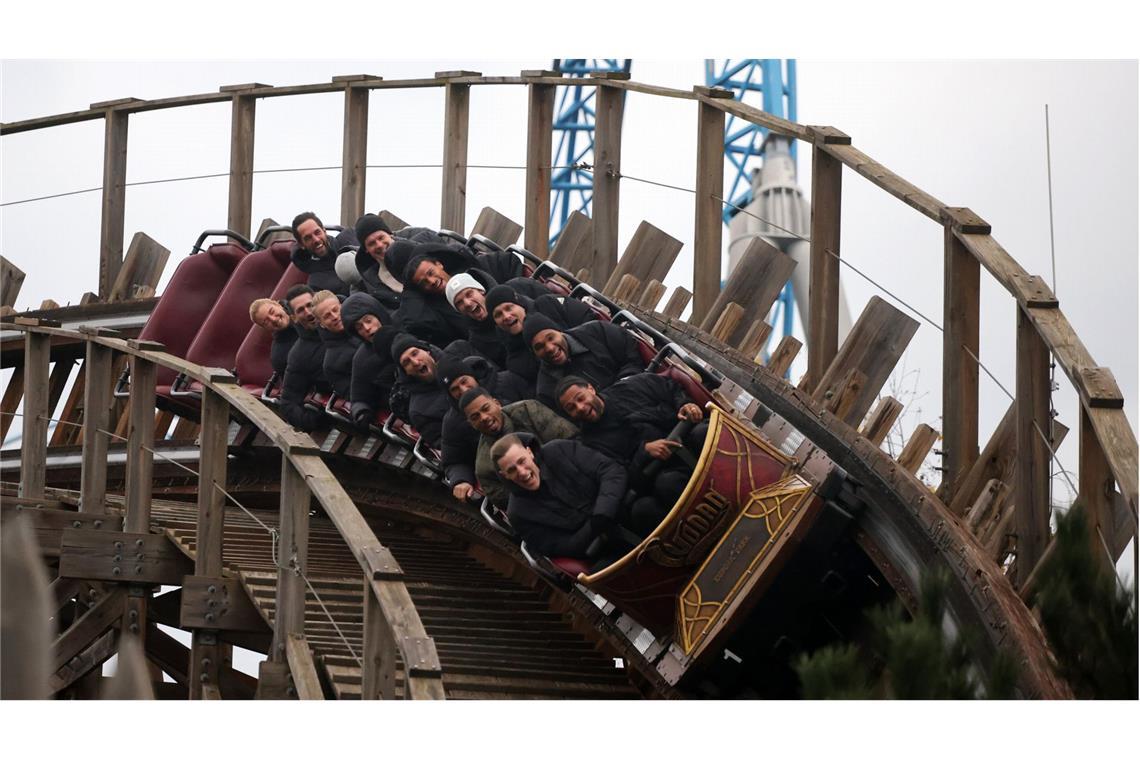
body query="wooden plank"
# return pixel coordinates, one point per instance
(995, 462)
(755, 284)
(13, 395)
(730, 317)
(114, 199)
(874, 346)
(574, 248)
(140, 442)
(240, 203)
(378, 678)
(184, 430)
(394, 222)
(457, 103)
(842, 403)
(708, 222)
(823, 287)
(987, 507)
(219, 604)
(49, 525)
(1026, 288)
(961, 326)
(211, 479)
(1031, 495)
(651, 296)
(498, 227)
(33, 447)
(162, 422)
(609, 106)
(677, 302)
(781, 359)
(649, 256)
(48, 304)
(887, 180)
(146, 259)
(60, 374)
(755, 339)
(1097, 487)
(1119, 445)
(11, 280)
(87, 628)
(301, 666)
(96, 418)
(1098, 388)
(539, 151)
(421, 662)
(881, 420)
(922, 439)
(84, 662)
(354, 154)
(293, 551)
(627, 288)
(102, 555)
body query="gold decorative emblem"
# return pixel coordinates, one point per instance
(687, 542)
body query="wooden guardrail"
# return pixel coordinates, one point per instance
(1108, 448)
(391, 623)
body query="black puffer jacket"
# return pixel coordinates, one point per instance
(303, 373)
(283, 341)
(340, 348)
(638, 408)
(460, 440)
(428, 404)
(487, 338)
(601, 352)
(380, 282)
(576, 483)
(373, 377)
(567, 313)
(322, 270)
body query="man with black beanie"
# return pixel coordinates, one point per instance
(508, 309)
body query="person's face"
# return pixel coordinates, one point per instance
(461, 385)
(376, 244)
(328, 315)
(313, 237)
(472, 302)
(302, 307)
(549, 345)
(271, 317)
(485, 415)
(582, 403)
(418, 363)
(518, 466)
(430, 277)
(509, 317)
(367, 326)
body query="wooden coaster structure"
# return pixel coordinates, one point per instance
(988, 521)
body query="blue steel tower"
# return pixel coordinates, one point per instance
(769, 84)
(572, 189)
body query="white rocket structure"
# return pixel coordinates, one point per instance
(777, 198)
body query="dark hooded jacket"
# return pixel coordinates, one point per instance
(576, 484)
(567, 313)
(373, 371)
(427, 403)
(638, 409)
(283, 341)
(429, 316)
(340, 348)
(322, 270)
(460, 440)
(373, 280)
(487, 338)
(601, 352)
(304, 372)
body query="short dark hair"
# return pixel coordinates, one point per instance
(303, 217)
(297, 290)
(501, 446)
(471, 394)
(568, 382)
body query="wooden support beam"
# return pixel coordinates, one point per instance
(13, 395)
(96, 418)
(755, 284)
(106, 555)
(987, 507)
(84, 662)
(240, 207)
(72, 411)
(211, 479)
(60, 374)
(882, 418)
(626, 289)
(961, 320)
(293, 551)
(146, 259)
(354, 155)
(301, 667)
(755, 339)
(651, 296)
(609, 106)
(726, 323)
(922, 439)
(574, 248)
(842, 402)
(1033, 422)
(1097, 487)
(378, 678)
(218, 604)
(140, 443)
(874, 346)
(457, 105)
(781, 359)
(114, 199)
(11, 280)
(649, 256)
(539, 151)
(101, 616)
(823, 288)
(708, 221)
(677, 302)
(498, 227)
(33, 447)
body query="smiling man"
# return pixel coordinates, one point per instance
(272, 317)
(304, 370)
(314, 252)
(415, 373)
(601, 352)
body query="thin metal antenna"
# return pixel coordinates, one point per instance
(1049, 170)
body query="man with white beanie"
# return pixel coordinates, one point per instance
(467, 294)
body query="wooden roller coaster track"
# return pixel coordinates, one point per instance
(419, 620)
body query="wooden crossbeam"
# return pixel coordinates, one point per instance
(101, 616)
(301, 667)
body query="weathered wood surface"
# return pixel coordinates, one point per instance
(755, 284)
(11, 280)
(649, 256)
(539, 149)
(1032, 425)
(142, 268)
(707, 220)
(457, 105)
(301, 667)
(823, 298)
(354, 154)
(922, 439)
(727, 322)
(882, 418)
(33, 446)
(574, 249)
(609, 105)
(498, 227)
(784, 354)
(104, 555)
(677, 302)
(114, 199)
(240, 204)
(755, 339)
